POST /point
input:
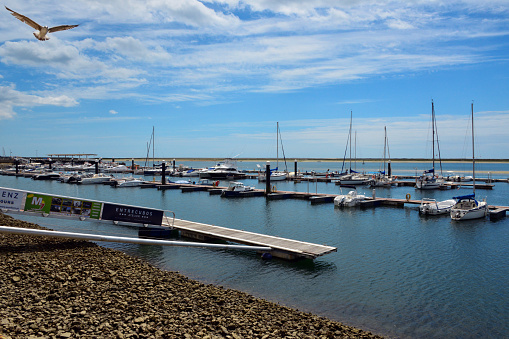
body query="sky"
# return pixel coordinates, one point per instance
(213, 78)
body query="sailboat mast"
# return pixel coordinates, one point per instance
(433, 128)
(350, 136)
(385, 144)
(277, 144)
(153, 147)
(473, 152)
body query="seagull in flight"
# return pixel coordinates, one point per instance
(42, 31)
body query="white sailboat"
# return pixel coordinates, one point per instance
(276, 175)
(383, 179)
(467, 207)
(351, 177)
(429, 180)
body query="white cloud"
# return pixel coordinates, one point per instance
(10, 98)
(112, 111)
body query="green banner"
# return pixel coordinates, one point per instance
(62, 206)
(37, 203)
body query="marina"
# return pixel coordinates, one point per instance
(389, 260)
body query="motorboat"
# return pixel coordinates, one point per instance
(349, 200)
(116, 169)
(129, 182)
(191, 173)
(225, 170)
(47, 176)
(432, 207)
(467, 207)
(100, 178)
(236, 187)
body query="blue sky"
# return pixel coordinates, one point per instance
(214, 77)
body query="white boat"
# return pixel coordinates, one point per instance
(350, 176)
(432, 207)
(49, 175)
(353, 179)
(429, 179)
(236, 187)
(225, 170)
(129, 182)
(349, 200)
(191, 173)
(116, 169)
(95, 179)
(467, 207)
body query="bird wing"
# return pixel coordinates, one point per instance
(61, 28)
(25, 19)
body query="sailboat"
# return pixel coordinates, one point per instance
(350, 177)
(429, 180)
(467, 207)
(381, 179)
(276, 175)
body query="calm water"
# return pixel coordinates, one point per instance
(395, 273)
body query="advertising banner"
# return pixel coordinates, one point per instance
(11, 200)
(75, 207)
(132, 214)
(70, 207)
(37, 203)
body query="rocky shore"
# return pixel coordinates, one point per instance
(58, 288)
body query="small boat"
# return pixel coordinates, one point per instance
(349, 200)
(47, 176)
(207, 182)
(467, 207)
(225, 170)
(95, 179)
(432, 207)
(129, 182)
(236, 187)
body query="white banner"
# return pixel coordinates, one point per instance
(11, 200)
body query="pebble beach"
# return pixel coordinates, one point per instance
(61, 288)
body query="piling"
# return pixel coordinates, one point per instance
(96, 167)
(50, 163)
(163, 174)
(295, 168)
(267, 178)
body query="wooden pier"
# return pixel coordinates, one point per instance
(281, 247)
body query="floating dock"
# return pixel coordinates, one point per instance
(281, 247)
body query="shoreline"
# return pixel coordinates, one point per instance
(370, 160)
(65, 288)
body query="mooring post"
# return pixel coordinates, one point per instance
(295, 169)
(50, 162)
(163, 174)
(267, 178)
(96, 167)
(16, 161)
(132, 164)
(173, 166)
(389, 169)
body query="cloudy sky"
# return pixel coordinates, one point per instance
(214, 77)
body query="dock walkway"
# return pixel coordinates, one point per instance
(281, 247)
